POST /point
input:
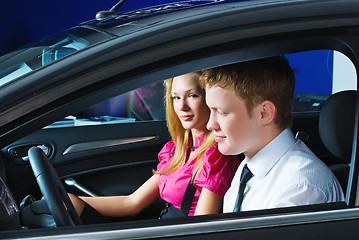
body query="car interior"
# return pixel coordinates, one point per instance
(337, 132)
(110, 148)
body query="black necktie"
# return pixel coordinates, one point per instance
(245, 176)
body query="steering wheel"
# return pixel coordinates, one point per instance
(55, 195)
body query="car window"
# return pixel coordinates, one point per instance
(319, 74)
(142, 104)
(331, 70)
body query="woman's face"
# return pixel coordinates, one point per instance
(189, 102)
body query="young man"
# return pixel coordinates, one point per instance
(251, 104)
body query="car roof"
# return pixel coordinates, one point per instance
(263, 10)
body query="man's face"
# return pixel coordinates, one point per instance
(234, 129)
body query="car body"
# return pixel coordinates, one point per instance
(86, 71)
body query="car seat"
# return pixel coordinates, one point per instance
(336, 130)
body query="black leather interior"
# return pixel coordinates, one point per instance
(336, 129)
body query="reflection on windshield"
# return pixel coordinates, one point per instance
(17, 64)
(17, 71)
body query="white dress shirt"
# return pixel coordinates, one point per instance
(285, 173)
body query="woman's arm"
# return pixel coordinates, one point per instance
(208, 203)
(118, 206)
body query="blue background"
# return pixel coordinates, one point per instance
(23, 21)
(319, 68)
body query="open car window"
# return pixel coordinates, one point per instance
(319, 74)
(142, 104)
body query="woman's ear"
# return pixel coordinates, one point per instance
(268, 112)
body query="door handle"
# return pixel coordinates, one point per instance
(44, 148)
(19, 153)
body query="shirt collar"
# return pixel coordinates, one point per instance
(265, 159)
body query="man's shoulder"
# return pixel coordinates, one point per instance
(301, 162)
(300, 152)
(303, 169)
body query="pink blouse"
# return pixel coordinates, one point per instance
(216, 175)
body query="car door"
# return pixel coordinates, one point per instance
(107, 149)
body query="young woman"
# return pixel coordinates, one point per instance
(190, 161)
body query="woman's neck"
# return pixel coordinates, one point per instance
(196, 133)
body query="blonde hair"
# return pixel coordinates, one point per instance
(181, 136)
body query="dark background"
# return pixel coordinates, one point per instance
(23, 21)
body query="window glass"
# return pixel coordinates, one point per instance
(142, 104)
(42, 53)
(319, 74)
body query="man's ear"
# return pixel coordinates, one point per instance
(268, 112)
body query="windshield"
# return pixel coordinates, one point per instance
(28, 59)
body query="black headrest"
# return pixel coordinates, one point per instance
(336, 124)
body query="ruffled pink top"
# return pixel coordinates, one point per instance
(216, 174)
